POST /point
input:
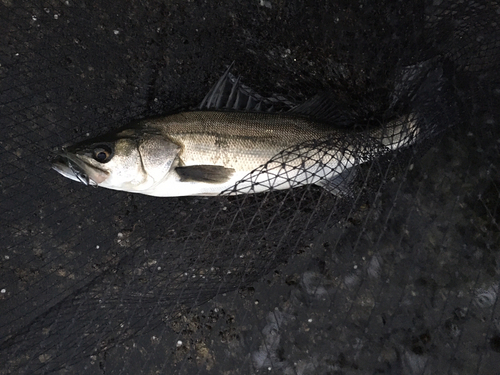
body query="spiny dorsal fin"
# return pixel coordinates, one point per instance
(231, 94)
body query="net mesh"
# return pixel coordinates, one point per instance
(396, 273)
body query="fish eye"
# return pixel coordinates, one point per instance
(102, 153)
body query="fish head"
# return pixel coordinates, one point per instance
(132, 160)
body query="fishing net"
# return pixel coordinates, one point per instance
(393, 267)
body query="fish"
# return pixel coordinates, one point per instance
(231, 135)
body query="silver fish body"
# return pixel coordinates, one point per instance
(209, 152)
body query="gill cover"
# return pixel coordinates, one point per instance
(157, 155)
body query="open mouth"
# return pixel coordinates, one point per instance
(71, 169)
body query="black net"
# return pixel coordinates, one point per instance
(395, 272)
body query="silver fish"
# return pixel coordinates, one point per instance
(208, 152)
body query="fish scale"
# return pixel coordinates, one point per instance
(249, 139)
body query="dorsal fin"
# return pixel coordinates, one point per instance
(323, 107)
(231, 94)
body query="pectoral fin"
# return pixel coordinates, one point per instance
(212, 174)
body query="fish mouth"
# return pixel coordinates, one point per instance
(76, 169)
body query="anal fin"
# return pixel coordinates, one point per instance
(212, 174)
(341, 184)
